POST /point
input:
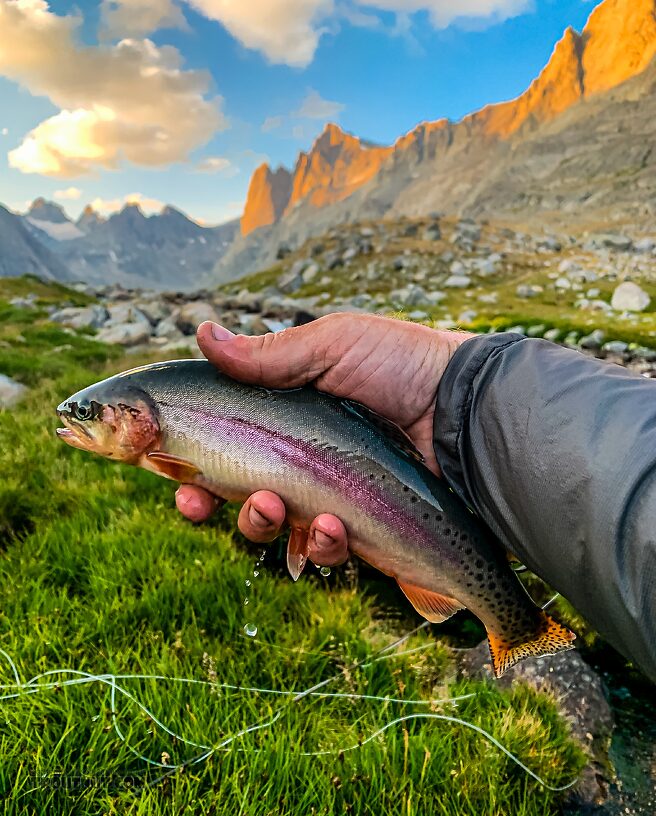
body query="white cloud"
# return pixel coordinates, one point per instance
(285, 31)
(272, 123)
(129, 101)
(69, 194)
(444, 12)
(4, 132)
(217, 164)
(288, 31)
(315, 107)
(135, 18)
(109, 206)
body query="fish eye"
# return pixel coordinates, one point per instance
(84, 410)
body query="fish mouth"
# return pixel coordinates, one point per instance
(74, 435)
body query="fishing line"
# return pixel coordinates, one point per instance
(33, 686)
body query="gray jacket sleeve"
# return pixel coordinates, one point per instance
(557, 453)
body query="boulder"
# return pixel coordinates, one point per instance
(191, 315)
(580, 697)
(87, 317)
(120, 313)
(292, 280)
(528, 291)
(629, 297)
(125, 334)
(11, 391)
(457, 282)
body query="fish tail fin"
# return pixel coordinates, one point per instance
(549, 638)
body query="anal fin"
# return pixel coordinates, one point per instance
(434, 607)
(297, 552)
(549, 639)
(172, 467)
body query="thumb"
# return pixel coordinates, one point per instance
(286, 359)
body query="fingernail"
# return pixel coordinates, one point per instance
(221, 333)
(323, 540)
(257, 519)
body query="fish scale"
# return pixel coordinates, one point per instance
(188, 422)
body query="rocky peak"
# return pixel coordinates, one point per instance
(268, 196)
(89, 218)
(619, 42)
(43, 210)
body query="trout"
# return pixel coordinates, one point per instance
(187, 421)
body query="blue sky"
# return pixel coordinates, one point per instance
(178, 102)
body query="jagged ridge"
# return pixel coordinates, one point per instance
(617, 43)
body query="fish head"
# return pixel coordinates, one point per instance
(116, 420)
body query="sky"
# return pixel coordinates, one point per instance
(178, 101)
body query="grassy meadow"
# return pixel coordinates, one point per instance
(99, 574)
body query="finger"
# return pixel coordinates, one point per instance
(261, 518)
(328, 541)
(286, 359)
(195, 503)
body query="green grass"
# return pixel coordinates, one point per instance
(99, 573)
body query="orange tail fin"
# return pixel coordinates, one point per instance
(549, 639)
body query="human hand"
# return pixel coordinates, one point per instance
(392, 366)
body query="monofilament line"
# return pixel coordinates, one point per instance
(36, 686)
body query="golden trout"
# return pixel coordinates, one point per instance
(188, 422)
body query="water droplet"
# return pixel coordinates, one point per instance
(325, 571)
(255, 573)
(245, 601)
(250, 629)
(247, 582)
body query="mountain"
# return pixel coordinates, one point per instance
(162, 251)
(23, 254)
(565, 147)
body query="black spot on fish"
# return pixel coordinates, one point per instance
(413, 499)
(479, 576)
(405, 488)
(438, 517)
(426, 516)
(479, 563)
(468, 550)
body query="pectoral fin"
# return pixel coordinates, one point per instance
(434, 607)
(297, 552)
(172, 467)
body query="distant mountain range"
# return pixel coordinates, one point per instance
(577, 148)
(162, 251)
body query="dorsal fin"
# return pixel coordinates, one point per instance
(391, 430)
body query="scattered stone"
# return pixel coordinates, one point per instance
(292, 280)
(615, 347)
(283, 251)
(467, 316)
(645, 246)
(11, 391)
(87, 317)
(618, 243)
(125, 334)
(28, 302)
(310, 273)
(563, 284)
(629, 297)
(593, 341)
(527, 291)
(432, 232)
(418, 315)
(550, 244)
(191, 315)
(536, 331)
(457, 282)
(553, 335)
(349, 254)
(120, 313)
